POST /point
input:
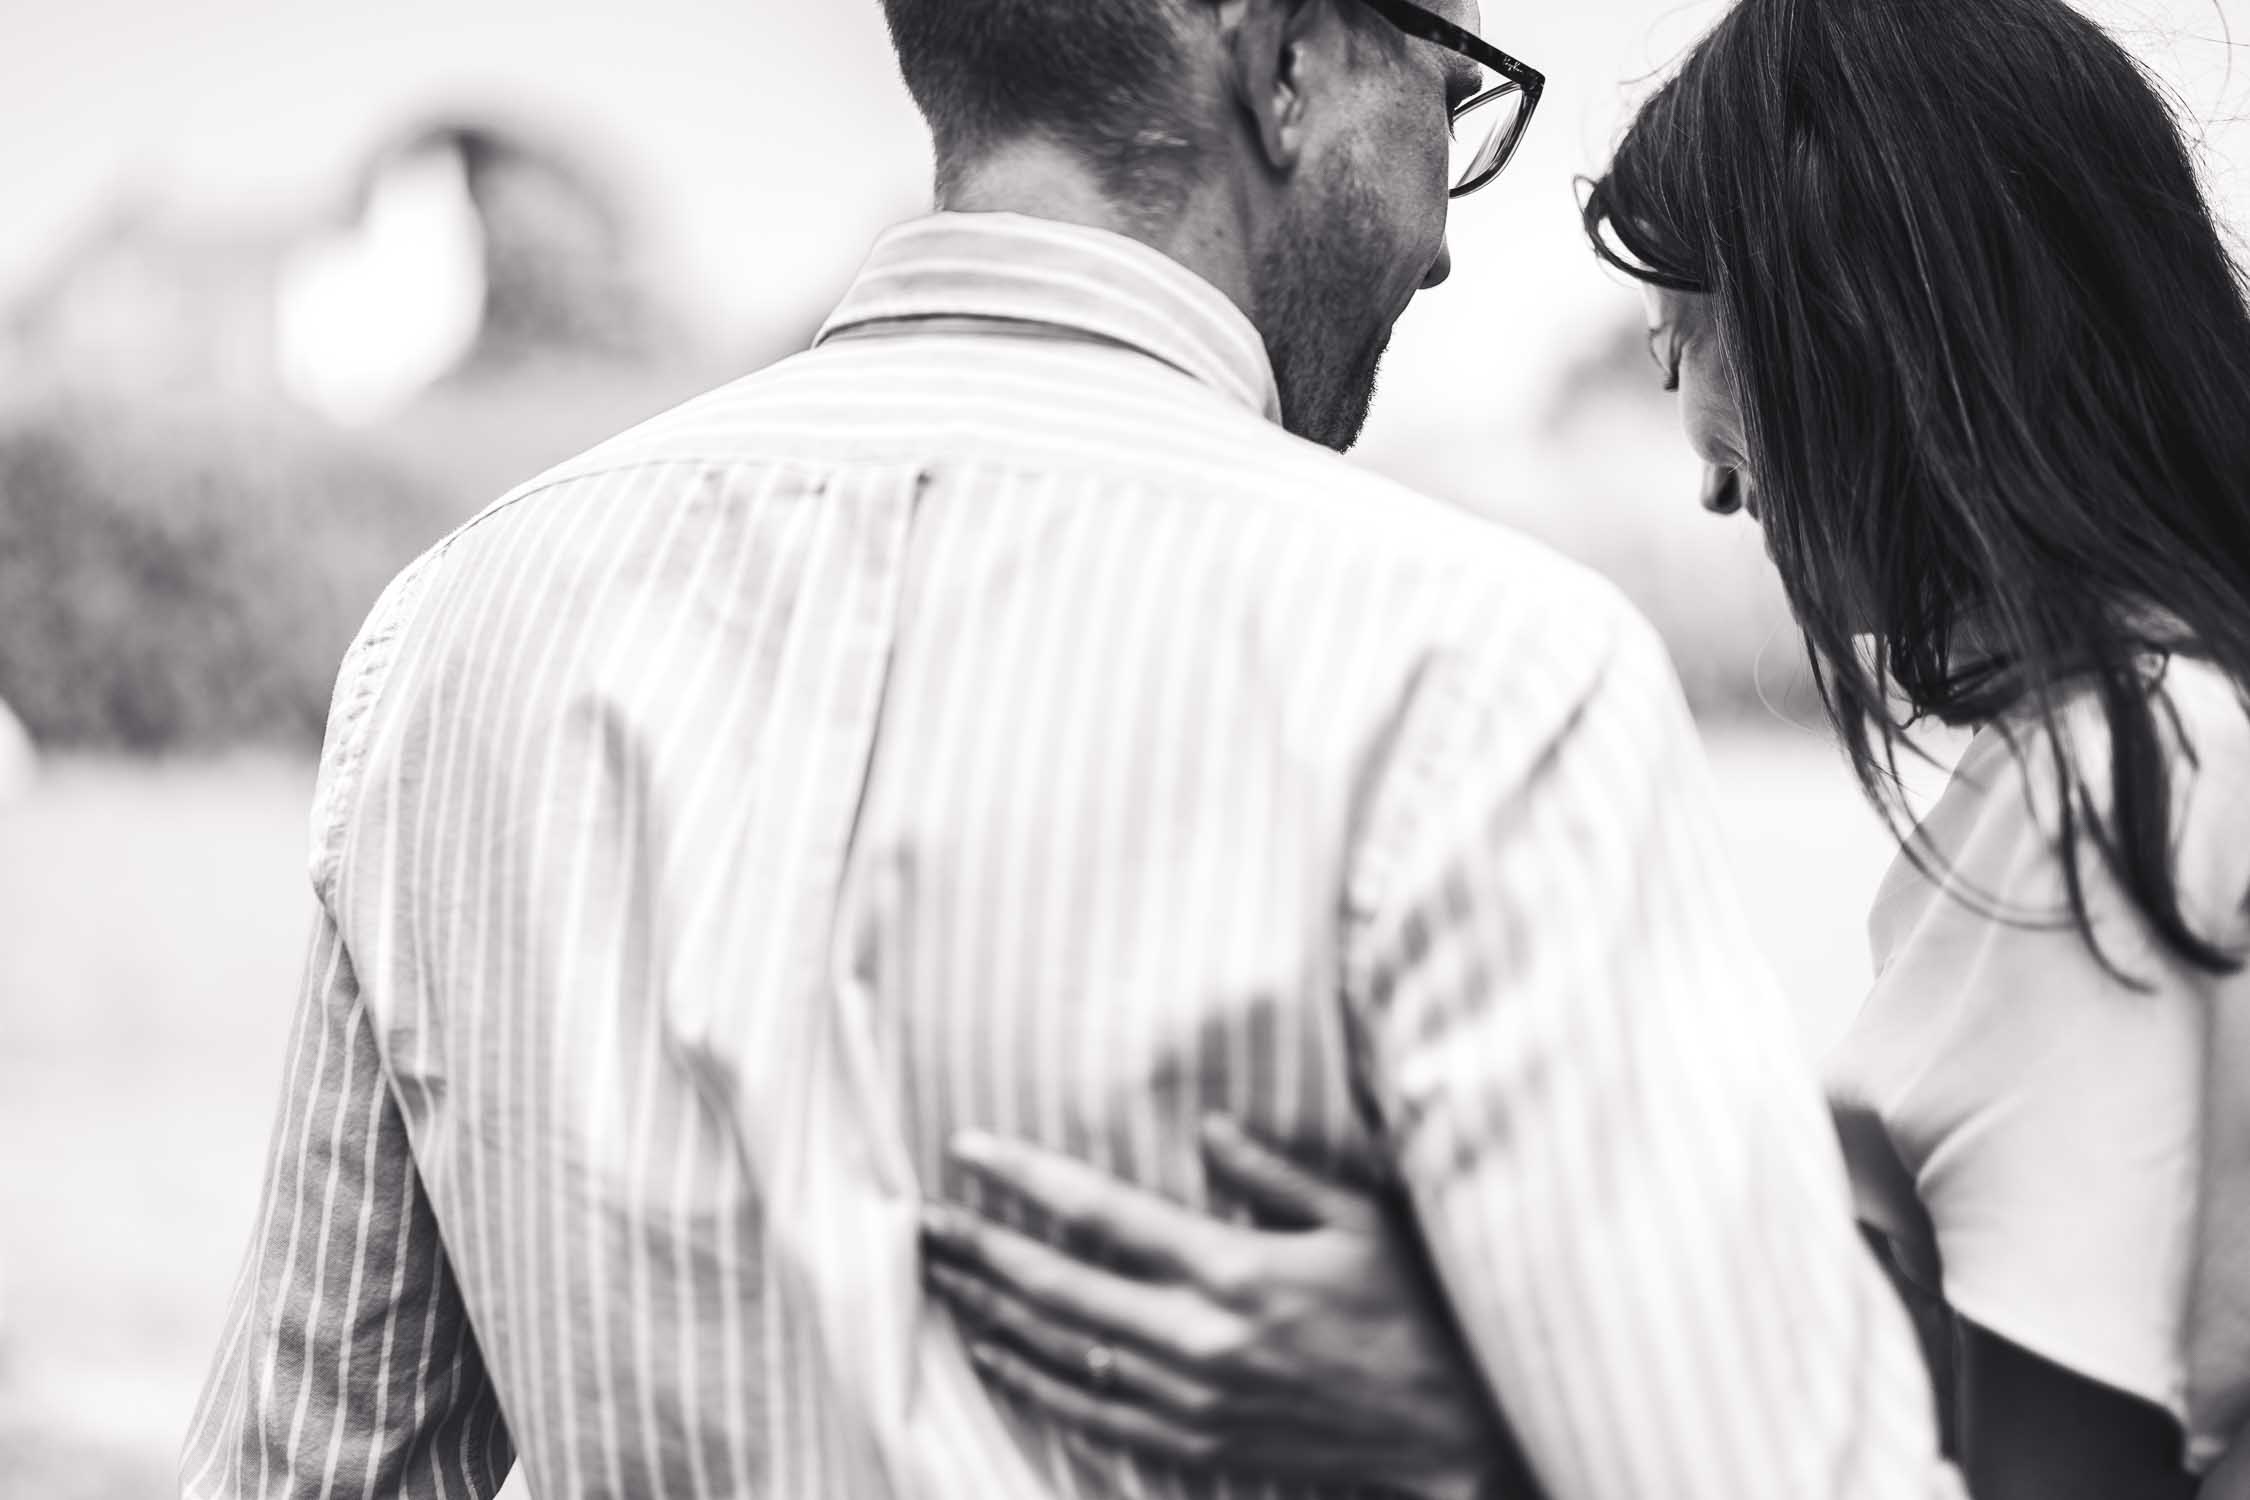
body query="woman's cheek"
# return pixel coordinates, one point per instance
(1705, 432)
(1714, 424)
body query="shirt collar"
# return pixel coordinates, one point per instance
(1013, 268)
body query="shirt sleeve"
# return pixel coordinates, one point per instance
(2049, 1114)
(348, 1365)
(1624, 1170)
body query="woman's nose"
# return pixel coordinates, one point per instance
(1722, 489)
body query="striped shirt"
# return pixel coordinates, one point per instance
(992, 718)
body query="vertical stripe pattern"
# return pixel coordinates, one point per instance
(991, 718)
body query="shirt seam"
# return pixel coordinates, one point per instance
(360, 684)
(365, 672)
(1429, 750)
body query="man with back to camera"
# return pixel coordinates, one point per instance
(1008, 714)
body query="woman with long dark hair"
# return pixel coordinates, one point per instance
(1950, 317)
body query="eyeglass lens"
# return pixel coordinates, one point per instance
(1485, 134)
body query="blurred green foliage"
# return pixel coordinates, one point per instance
(176, 578)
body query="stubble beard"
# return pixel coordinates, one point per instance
(1323, 330)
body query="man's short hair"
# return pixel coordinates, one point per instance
(1107, 79)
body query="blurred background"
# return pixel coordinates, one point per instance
(286, 292)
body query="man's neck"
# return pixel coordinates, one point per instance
(1045, 181)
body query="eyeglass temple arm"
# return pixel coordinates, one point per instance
(1431, 27)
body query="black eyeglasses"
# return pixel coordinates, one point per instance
(1488, 126)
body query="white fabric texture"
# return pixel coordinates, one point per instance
(2043, 1143)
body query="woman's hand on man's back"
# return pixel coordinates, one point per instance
(1311, 1350)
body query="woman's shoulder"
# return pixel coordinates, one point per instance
(2201, 711)
(2202, 721)
(2001, 816)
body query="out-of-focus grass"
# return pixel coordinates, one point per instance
(183, 578)
(183, 575)
(151, 922)
(152, 919)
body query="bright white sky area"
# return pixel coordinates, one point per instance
(772, 139)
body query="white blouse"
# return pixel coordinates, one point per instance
(2065, 1160)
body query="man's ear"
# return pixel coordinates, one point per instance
(1279, 52)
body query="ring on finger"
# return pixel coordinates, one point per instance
(1101, 1365)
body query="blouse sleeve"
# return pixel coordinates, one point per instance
(2052, 1120)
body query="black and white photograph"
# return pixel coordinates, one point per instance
(1161, 749)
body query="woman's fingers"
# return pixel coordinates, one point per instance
(1090, 1418)
(1108, 1215)
(1106, 1418)
(1114, 1307)
(1071, 1353)
(1279, 1188)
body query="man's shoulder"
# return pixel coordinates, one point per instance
(1135, 426)
(1450, 549)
